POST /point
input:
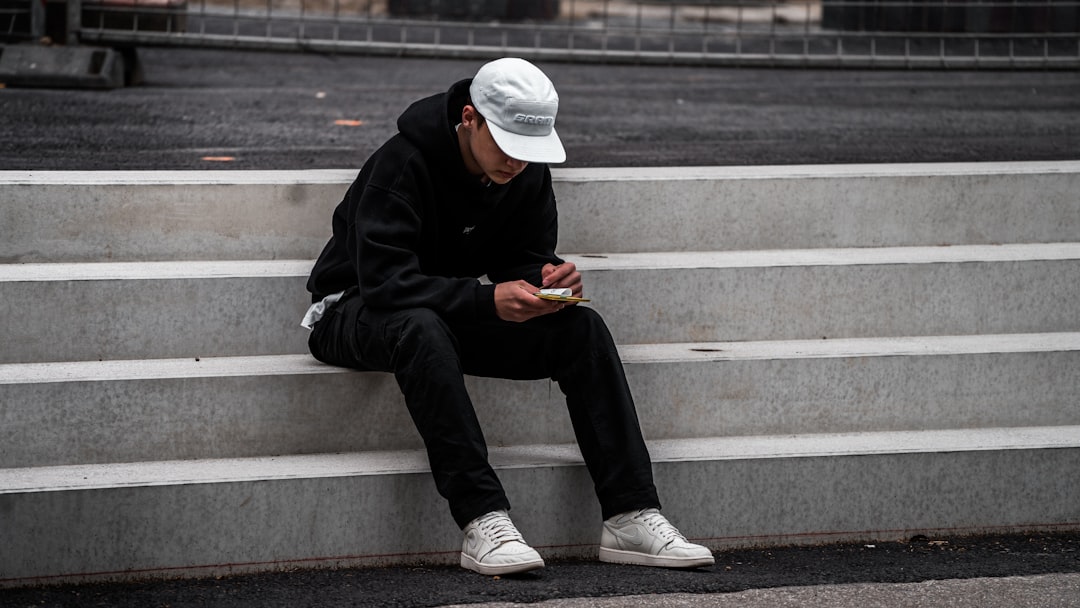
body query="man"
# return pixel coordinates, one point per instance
(463, 191)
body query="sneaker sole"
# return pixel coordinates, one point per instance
(497, 570)
(617, 556)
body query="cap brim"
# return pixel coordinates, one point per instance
(529, 148)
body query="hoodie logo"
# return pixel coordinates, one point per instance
(467, 230)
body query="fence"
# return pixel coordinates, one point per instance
(994, 34)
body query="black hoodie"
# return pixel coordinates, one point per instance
(416, 229)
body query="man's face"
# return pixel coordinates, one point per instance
(487, 159)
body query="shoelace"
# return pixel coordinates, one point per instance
(659, 524)
(498, 528)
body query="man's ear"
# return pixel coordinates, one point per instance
(468, 116)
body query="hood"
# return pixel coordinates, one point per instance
(429, 125)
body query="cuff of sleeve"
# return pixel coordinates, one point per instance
(485, 302)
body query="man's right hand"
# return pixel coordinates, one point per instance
(515, 301)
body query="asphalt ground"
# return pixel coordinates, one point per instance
(988, 572)
(300, 111)
(294, 111)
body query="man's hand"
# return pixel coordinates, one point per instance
(562, 276)
(515, 301)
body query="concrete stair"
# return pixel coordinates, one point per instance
(817, 353)
(810, 293)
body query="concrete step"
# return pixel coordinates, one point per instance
(129, 411)
(842, 293)
(101, 216)
(71, 312)
(817, 206)
(61, 66)
(218, 517)
(236, 308)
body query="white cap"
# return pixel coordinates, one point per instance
(519, 104)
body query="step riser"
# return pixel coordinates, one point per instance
(152, 319)
(253, 316)
(165, 419)
(880, 210)
(789, 303)
(225, 528)
(130, 216)
(132, 222)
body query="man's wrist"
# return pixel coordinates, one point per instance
(485, 302)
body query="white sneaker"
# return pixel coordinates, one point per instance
(494, 546)
(647, 538)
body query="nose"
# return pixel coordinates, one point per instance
(515, 164)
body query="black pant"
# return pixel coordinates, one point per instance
(429, 357)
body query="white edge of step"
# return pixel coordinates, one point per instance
(346, 175)
(191, 472)
(682, 352)
(853, 256)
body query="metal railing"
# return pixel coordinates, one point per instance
(22, 20)
(1002, 34)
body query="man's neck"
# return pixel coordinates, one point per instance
(467, 158)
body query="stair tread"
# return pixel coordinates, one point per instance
(850, 256)
(171, 178)
(621, 174)
(302, 364)
(232, 470)
(743, 172)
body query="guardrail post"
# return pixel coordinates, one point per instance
(74, 22)
(37, 19)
